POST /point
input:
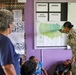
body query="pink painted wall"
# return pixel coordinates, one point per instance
(48, 57)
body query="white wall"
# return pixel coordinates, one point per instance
(72, 13)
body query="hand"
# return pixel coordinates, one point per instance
(62, 73)
(61, 30)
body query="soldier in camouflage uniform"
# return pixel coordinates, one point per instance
(71, 41)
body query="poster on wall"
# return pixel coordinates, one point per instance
(41, 7)
(54, 16)
(55, 7)
(48, 19)
(17, 37)
(48, 35)
(17, 15)
(42, 17)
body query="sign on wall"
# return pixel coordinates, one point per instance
(55, 7)
(22, 1)
(48, 19)
(42, 7)
(48, 35)
(48, 10)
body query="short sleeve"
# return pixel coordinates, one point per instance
(41, 64)
(6, 53)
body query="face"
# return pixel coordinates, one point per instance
(66, 29)
(35, 59)
(67, 62)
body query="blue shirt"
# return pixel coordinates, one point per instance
(8, 54)
(39, 69)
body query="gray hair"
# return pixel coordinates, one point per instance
(6, 18)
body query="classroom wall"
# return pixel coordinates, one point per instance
(49, 57)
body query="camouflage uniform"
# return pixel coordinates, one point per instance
(71, 41)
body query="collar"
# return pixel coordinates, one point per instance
(71, 31)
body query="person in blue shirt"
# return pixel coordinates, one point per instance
(39, 68)
(9, 59)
